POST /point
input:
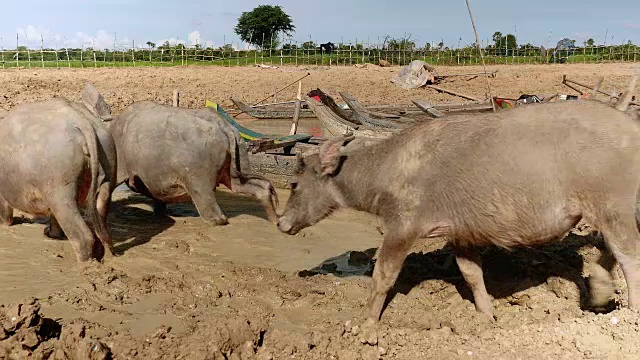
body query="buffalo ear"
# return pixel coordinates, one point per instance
(330, 154)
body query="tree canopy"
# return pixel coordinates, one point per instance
(263, 23)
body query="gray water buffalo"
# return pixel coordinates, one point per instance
(172, 155)
(55, 157)
(522, 177)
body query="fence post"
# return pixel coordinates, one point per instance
(56, 51)
(42, 50)
(66, 49)
(133, 52)
(93, 50)
(17, 51)
(81, 56)
(28, 52)
(2, 51)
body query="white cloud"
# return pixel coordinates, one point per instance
(31, 36)
(194, 37)
(101, 40)
(172, 41)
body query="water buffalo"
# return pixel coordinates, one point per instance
(521, 177)
(57, 156)
(172, 155)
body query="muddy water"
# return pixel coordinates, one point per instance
(252, 240)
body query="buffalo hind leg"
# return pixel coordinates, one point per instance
(53, 230)
(471, 268)
(392, 255)
(64, 208)
(623, 240)
(203, 196)
(103, 204)
(260, 189)
(6, 213)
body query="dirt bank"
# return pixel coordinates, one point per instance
(183, 289)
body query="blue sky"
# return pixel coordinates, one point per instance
(85, 22)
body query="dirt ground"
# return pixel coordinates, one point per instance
(184, 290)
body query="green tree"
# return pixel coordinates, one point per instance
(497, 38)
(151, 45)
(590, 42)
(501, 42)
(263, 22)
(226, 48)
(309, 45)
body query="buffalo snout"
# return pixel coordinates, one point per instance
(285, 226)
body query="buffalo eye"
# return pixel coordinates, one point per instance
(294, 185)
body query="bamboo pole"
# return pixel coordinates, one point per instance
(296, 111)
(473, 23)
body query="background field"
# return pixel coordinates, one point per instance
(297, 54)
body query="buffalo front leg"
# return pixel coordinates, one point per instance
(64, 208)
(260, 189)
(53, 230)
(6, 213)
(621, 236)
(471, 268)
(204, 198)
(392, 255)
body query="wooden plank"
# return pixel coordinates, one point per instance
(428, 108)
(362, 114)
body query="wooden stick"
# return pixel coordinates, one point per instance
(493, 74)
(455, 93)
(286, 87)
(473, 23)
(597, 87)
(598, 90)
(176, 98)
(296, 111)
(571, 86)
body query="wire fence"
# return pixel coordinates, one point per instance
(306, 54)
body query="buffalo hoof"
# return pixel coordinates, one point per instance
(55, 234)
(97, 251)
(221, 221)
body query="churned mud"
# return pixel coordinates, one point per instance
(181, 289)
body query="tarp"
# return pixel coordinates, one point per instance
(417, 74)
